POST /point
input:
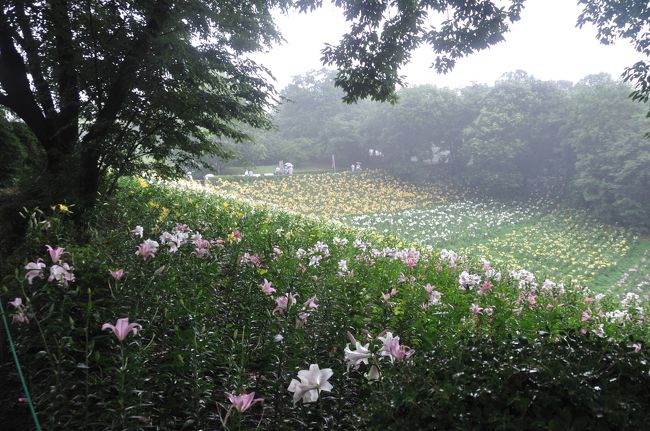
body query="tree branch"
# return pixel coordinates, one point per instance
(14, 81)
(66, 73)
(125, 76)
(29, 45)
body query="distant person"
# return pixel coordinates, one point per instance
(358, 166)
(277, 171)
(352, 167)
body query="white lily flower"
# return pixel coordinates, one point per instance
(358, 356)
(311, 382)
(373, 374)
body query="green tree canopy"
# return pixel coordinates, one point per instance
(514, 138)
(628, 19)
(107, 86)
(611, 154)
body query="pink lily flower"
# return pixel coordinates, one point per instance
(267, 287)
(393, 349)
(283, 302)
(301, 319)
(251, 260)
(386, 296)
(55, 253)
(311, 303)
(147, 249)
(122, 328)
(256, 260)
(117, 274)
(202, 247)
(180, 227)
(485, 287)
(34, 269)
(400, 352)
(19, 316)
(636, 347)
(243, 402)
(61, 273)
(476, 309)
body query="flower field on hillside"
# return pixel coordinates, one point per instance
(560, 243)
(330, 195)
(186, 310)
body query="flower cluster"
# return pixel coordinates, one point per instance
(176, 238)
(390, 348)
(433, 296)
(331, 194)
(60, 272)
(252, 260)
(468, 281)
(19, 315)
(147, 249)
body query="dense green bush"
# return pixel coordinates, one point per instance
(521, 354)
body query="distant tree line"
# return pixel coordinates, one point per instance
(587, 140)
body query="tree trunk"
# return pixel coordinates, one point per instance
(88, 178)
(56, 185)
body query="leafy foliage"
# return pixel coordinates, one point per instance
(208, 328)
(114, 87)
(623, 20)
(611, 175)
(383, 34)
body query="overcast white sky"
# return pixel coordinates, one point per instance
(544, 43)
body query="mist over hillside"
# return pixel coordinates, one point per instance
(584, 142)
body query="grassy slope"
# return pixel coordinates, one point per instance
(208, 328)
(561, 244)
(636, 264)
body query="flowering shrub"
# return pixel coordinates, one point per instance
(235, 302)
